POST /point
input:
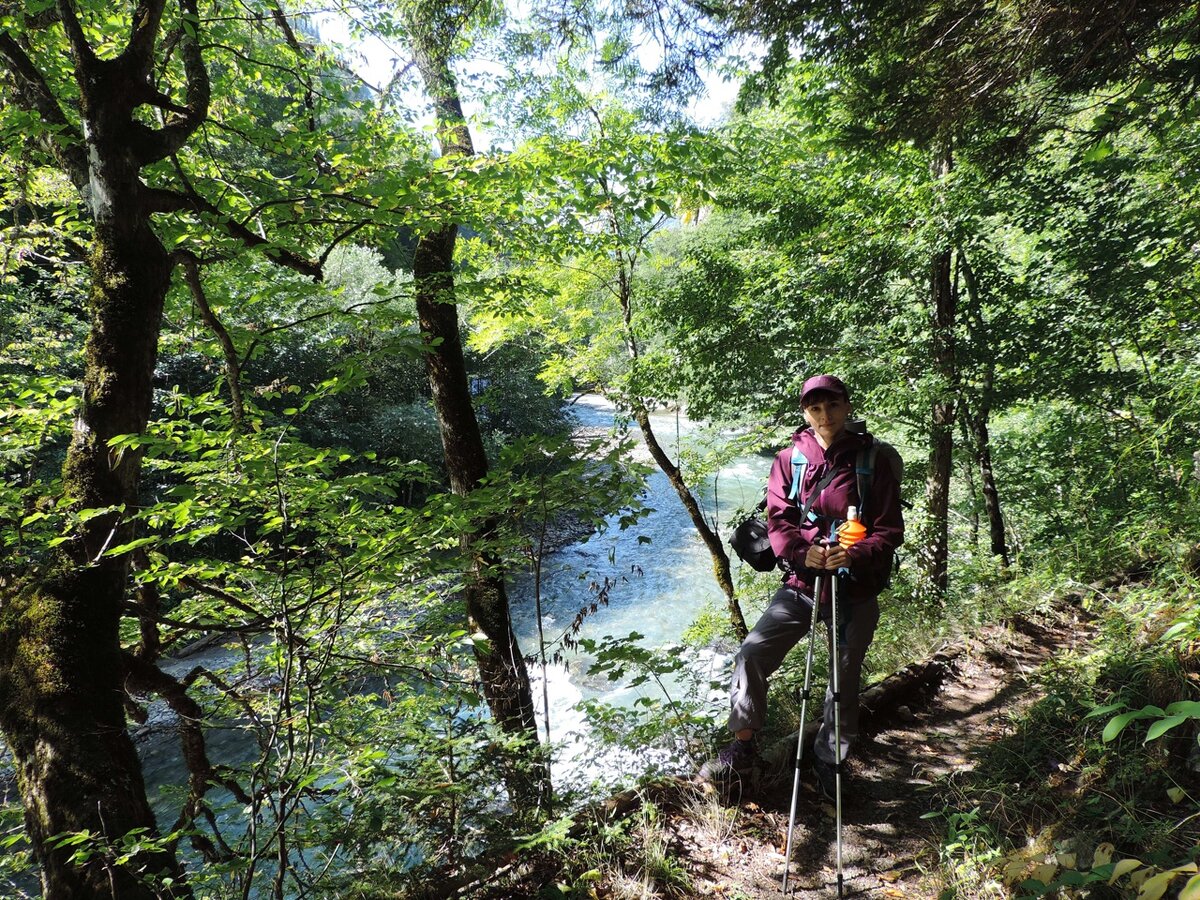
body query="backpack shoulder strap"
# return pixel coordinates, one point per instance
(864, 470)
(799, 465)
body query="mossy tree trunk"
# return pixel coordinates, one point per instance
(109, 120)
(61, 673)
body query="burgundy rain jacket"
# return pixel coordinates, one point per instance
(871, 558)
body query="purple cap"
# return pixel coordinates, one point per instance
(830, 383)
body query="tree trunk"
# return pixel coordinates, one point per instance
(941, 442)
(977, 420)
(60, 663)
(502, 667)
(715, 548)
(991, 496)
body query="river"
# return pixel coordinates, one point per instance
(660, 589)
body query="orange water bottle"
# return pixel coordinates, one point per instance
(851, 531)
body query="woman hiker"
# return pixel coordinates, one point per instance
(828, 485)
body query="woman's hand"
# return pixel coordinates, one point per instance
(820, 558)
(836, 557)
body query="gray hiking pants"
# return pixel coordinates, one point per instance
(777, 631)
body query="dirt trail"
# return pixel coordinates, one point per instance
(887, 846)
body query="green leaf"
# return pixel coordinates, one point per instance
(1189, 708)
(132, 545)
(1162, 726)
(1102, 150)
(1104, 710)
(1117, 724)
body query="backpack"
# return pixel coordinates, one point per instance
(750, 540)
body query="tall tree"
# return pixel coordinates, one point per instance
(624, 183)
(991, 79)
(112, 99)
(943, 313)
(977, 407)
(61, 670)
(630, 229)
(436, 28)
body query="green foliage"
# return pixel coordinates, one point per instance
(623, 857)
(968, 843)
(1073, 783)
(16, 857)
(1174, 715)
(665, 728)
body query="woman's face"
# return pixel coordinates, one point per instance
(826, 414)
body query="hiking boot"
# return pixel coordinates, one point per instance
(826, 778)
(738, 760)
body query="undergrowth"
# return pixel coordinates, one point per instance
(1095, 790)
(627, 858)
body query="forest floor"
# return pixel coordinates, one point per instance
(898, 775)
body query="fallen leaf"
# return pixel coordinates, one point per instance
(1103, 855)
(1044, 873)
(1191, 890)
(1014, 870)
(890, 877)
(1155, 887)
(1121, 868)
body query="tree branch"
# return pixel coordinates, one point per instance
(144, 676)
(139, 52)
(197, 585)
(150, 601)
(257, 626)
(233, 370)
(34, 94)
(337, 241)
(159, 200)
(202, 774)
(171, 137)
(304, 320)
(85, 56)
(289, 35)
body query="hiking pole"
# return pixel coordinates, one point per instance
(805, 694)
(847, 534)
(835, 663)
